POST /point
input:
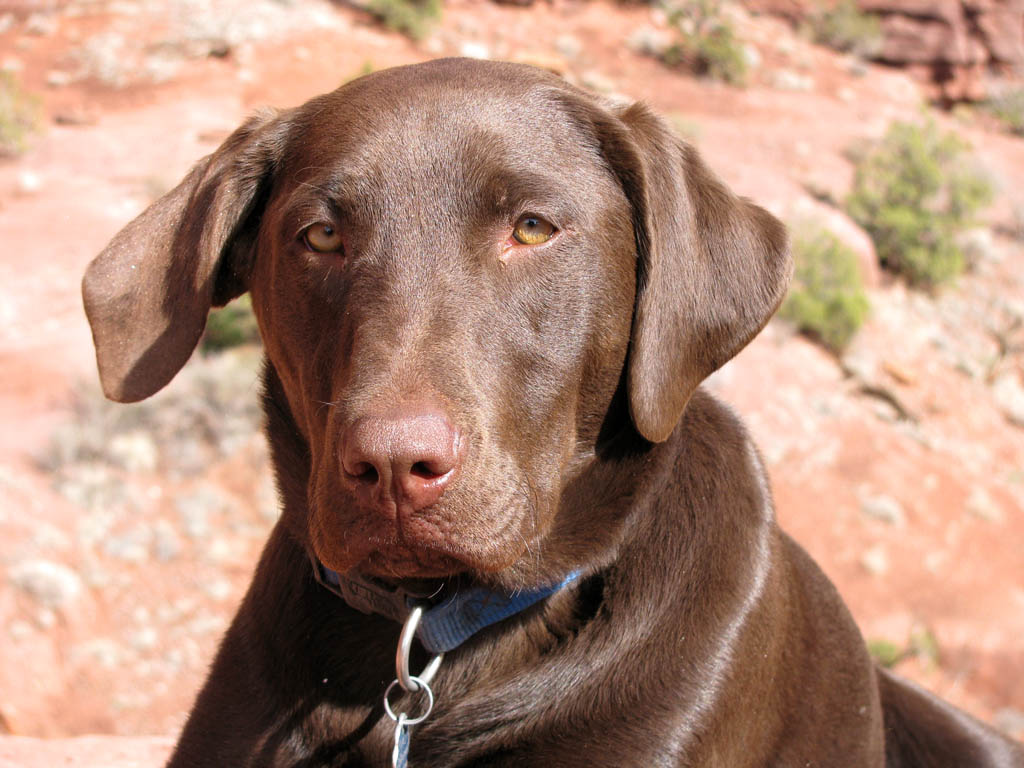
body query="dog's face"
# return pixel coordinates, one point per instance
(392, 281)
(444, 261)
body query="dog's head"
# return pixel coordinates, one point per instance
(456, 267)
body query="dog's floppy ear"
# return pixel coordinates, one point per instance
(148, 293)
(712, 267)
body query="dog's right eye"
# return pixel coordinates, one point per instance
(533, 230)
(323, 238)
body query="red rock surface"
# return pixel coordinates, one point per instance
(84, 752)
(952, 43)
(129, 534)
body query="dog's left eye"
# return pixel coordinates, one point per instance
(533, 230)
(323, 238)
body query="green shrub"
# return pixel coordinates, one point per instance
(230, 326)
(19, 115)
(843, 26)
(1009, 108)
(886, 653)
(412, 18)
(705, 41)
(915, 193)
(685, 127)
(366, 69)
(924, 645)
(827, 299)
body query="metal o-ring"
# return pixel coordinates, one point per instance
(410, 721)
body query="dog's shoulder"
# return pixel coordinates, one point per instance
(712, 441)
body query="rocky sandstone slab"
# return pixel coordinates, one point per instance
(84, 752)
(955, 43)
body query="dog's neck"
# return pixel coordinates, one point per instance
(450, 617)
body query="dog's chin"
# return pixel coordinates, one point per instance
(418, 552)
(398, 563)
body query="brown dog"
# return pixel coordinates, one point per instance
(488, 300)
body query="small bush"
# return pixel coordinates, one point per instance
(925, 646)
(230, 326)
(413, 18)
(366, 69)
(19, 116)
(1009, 108)
(706, 42)
(827, 299)
(922, 645)
(843, 26)
(915, 193)
(206, 415)
(886, 653)
(685, 127)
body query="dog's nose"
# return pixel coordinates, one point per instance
(406, 456)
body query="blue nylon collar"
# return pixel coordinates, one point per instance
(446, 624)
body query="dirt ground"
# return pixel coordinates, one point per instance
(128, 535)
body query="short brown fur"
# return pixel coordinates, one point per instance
(698, 634)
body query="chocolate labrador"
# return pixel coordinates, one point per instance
(488, 300)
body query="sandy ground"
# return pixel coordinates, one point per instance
(123, 554)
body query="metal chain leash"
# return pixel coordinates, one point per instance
(410, 684)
